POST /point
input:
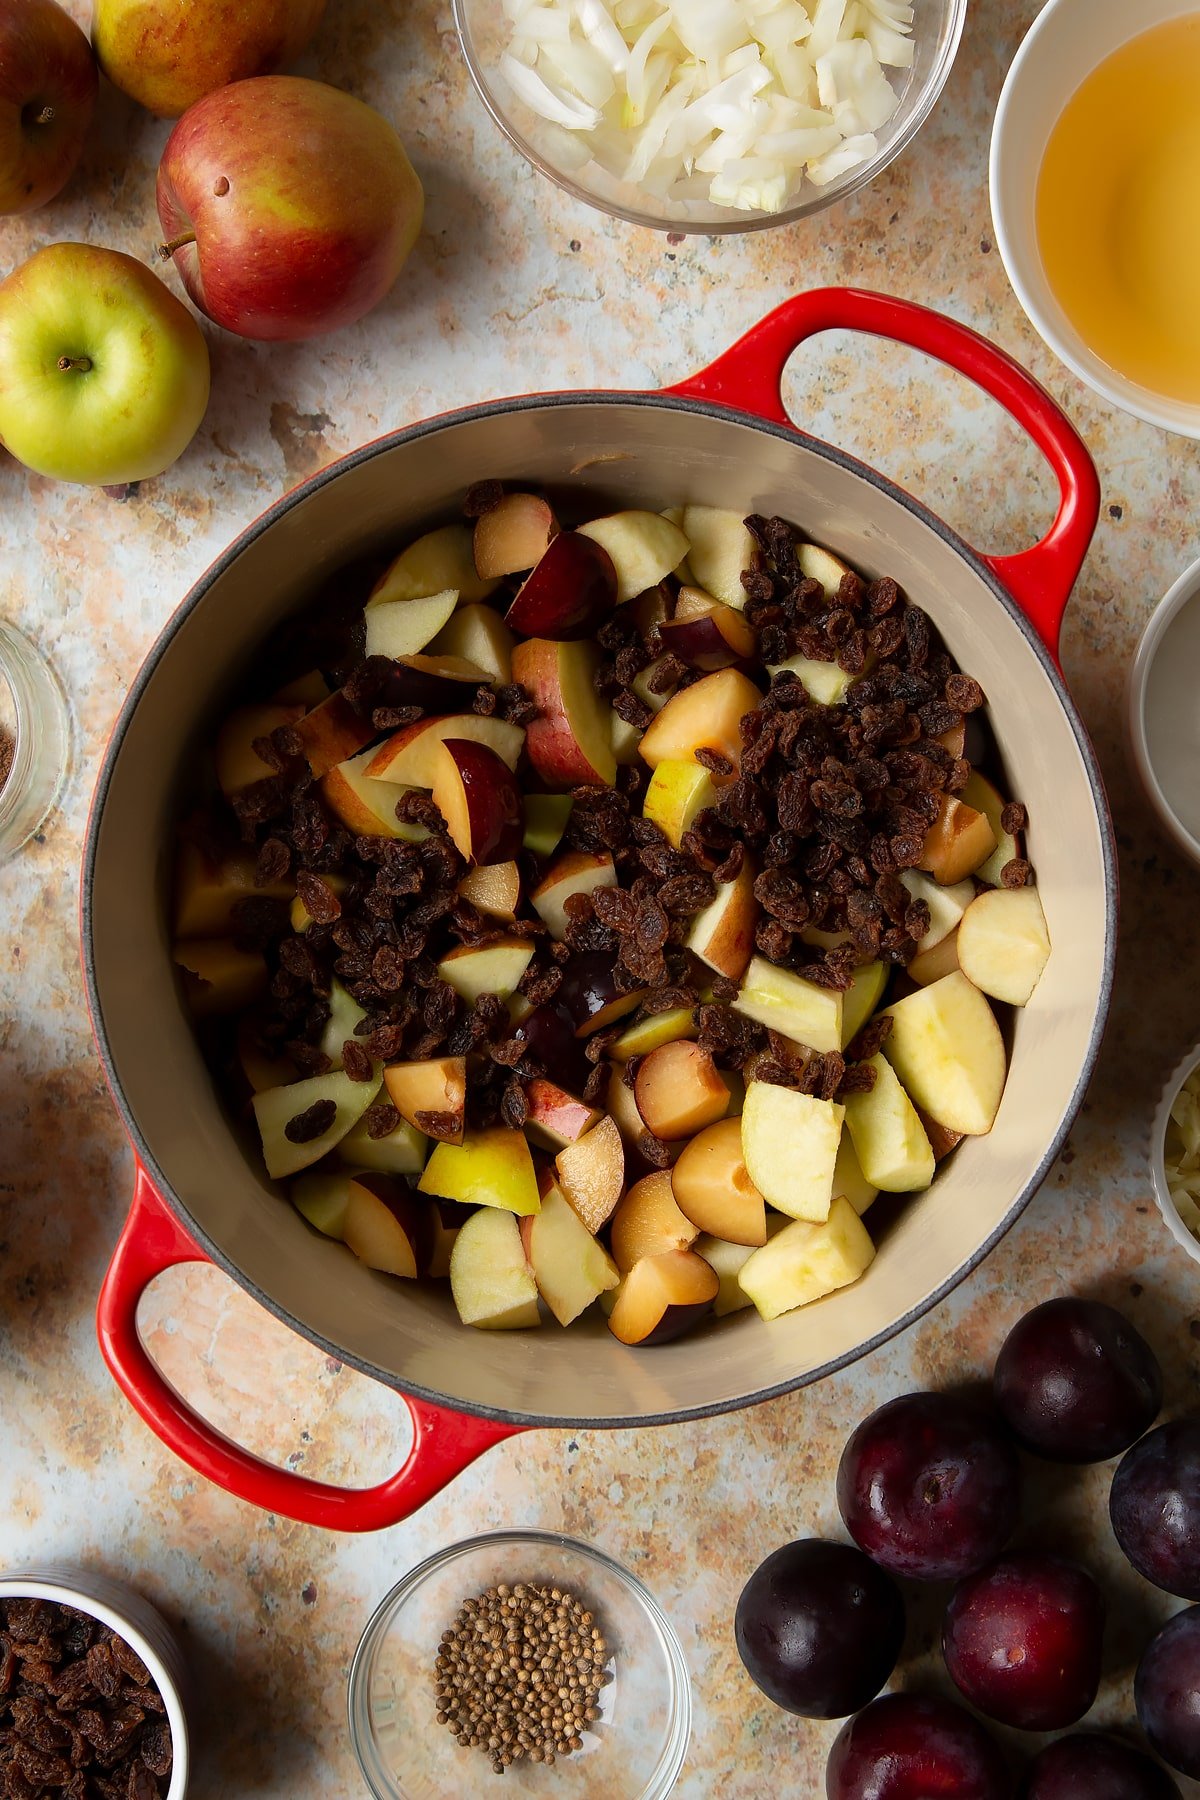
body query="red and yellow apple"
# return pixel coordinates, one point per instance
(570, 741)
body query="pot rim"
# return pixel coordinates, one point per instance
(671, 402)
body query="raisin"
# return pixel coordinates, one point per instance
(1016, 874)
(312, 1123)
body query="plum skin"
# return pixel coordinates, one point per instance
(914, 1747)
(929, 1486)
(819, 1628)
(1075, 1382)
(1090, 1765)
(1023, 1640)
(1166, 1692)
(1154, 1505)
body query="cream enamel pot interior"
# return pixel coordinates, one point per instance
(724, 439)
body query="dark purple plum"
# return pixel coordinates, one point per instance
(819, 1628)
(590, 994)
(1166, 1692)
(1076, 1383)
(909, 1747)
(1023, 1640)
(930, 1486)
(1154, 1504)
(1092, 1766)
(570, 591)
(550, 1034)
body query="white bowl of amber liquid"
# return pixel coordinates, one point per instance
(1095, 191)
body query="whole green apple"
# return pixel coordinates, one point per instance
(168, 54)
(48, 85)
(103, 372)
(288, 206)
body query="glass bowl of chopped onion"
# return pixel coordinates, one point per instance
(710, 116)
(538, 1593)
(1175, 1154)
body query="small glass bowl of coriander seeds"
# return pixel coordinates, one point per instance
(522, 1654)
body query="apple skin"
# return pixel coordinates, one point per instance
(570, 591)
(167, 56)
(288, 207)
(46, 66)
(128, 415)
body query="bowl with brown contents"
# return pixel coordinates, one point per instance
(92, 1685)
(585, 896)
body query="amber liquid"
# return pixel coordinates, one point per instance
(1118, 210)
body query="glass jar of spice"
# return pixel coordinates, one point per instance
(34, 739)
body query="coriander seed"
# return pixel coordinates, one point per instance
(519, 1672)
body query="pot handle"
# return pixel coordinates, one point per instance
(444, 1442)
(749, 375)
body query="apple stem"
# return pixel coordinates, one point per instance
(45, 116)
(81, 363)
(167, 251)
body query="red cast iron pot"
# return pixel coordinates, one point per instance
(721, 438)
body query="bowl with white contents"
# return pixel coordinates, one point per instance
(1162, 722)
(710, 116)
(1175, 1153)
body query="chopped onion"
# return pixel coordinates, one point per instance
(737, 102)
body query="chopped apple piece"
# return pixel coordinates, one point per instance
(344, 1014)
(418, 1089)
(945, 1046)
(888, 1137)
(206, 891)
(653, 1031)
(622, 1110)
(299, 916)
(571, 1269)
(323, 1200)
(790, 1145)
(578, 872)
(705, 716)
(626, 739)
(365, 806)
(712, 1186)
(661, 1297)
(493, 888)
(931, 965)
(546, 818)
(491, 1281)
(862, 997)
(678, 791)
(277, 1108)
(591, 1173)
(402, 627)
(439, 560)
(446, 1220)
(817, 564)
(648, 1222)
(644, 547)
(384, 1233)
(946, 905)
(513, 536)
(848, 1178)
(958, 842)
(410, 755)
(479, 635)
(494, 968)
(679, 1090)
(556, 1118)
(722, 934)
(401, 1152)
(644, 685)
(726, 1260)
(720, 548)
(787, 1003)
(568, 594)
(218, 977)
(332, 733)
(825, 682)
(489, 1168)
(706, 634)
(570, 741)
(238, 763)
(1003, 943)
(477, 795)
(980, 794)
(804, 1262)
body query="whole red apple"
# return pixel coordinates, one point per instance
(289, 207)
(48, 85)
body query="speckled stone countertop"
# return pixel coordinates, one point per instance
(512, 287)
